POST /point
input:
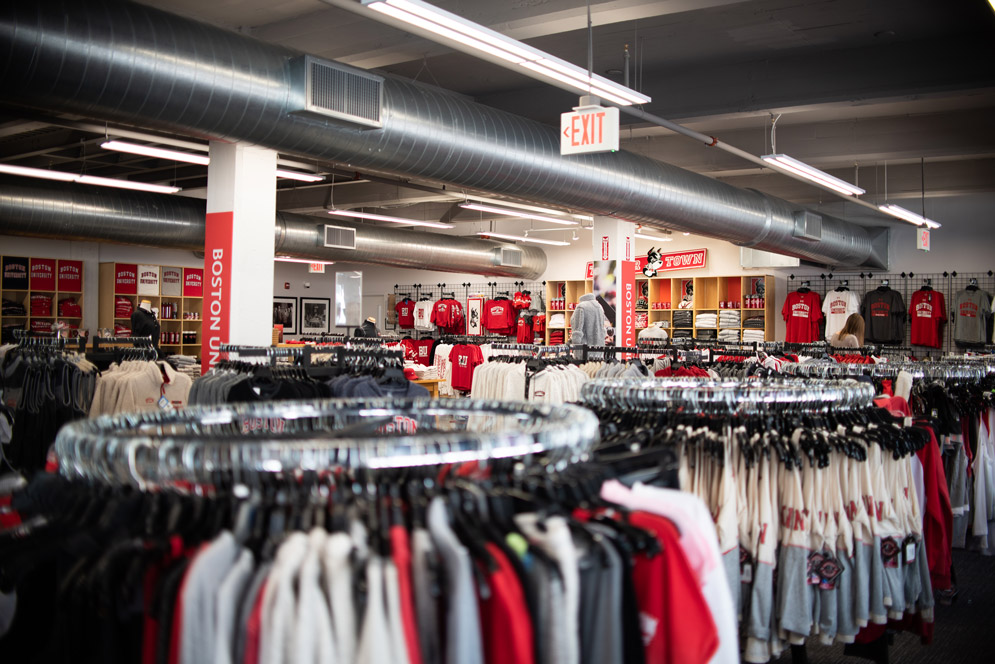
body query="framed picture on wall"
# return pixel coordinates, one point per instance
(315, 313)
(285, 313)
(474, 306)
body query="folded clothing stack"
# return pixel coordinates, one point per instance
(557, 320)
(753, 335)
(11, 308)
(681, 334)
(683, 319)
(705, 320)
(556, 337)
(122, 330)
(756, 323)
(123, 307)
(42, 328)
(729, 335)
(729, 318)
(706, 334)
(70, 308)
(41, 305)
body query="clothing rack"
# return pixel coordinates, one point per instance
(471, 339)
(268, 352)
(538, 351)
(949, 283)
(929, 370)
(26, 340)
(137, 342)
(315, 436)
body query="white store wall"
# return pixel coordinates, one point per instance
(964, 243)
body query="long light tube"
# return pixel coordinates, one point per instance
(555, 243)
(393, 220)
(516, 213)
(791, 165)
(191, 158)
(159, 153)
(908, 215)
(286, 259)
(476, 37)
(86, 179)
(654, 238)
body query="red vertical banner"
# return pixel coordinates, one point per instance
(217, 287)
(625, 334)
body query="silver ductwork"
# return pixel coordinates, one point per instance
(61, 211)
(128, 63)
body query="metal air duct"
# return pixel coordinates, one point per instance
(128, 63)
(36, 208)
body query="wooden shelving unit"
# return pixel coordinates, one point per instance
(664, 296)
(55, 280)
(177, 292)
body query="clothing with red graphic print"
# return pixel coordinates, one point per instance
(927, 311)
(971, 309)
(464, 358)
(802, 312)
(447, 313)
(884, 311)
(524, 335)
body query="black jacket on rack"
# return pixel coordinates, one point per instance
(145, 324)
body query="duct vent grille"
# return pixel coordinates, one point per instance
(808, 226)
(510, 257)
(340, 237)
(331, 90)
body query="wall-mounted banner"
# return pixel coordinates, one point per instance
(217, 295)
(692, 259)
(193, 282)
(148, 279)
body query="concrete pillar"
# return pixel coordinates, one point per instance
(615, 272)
(238, 248)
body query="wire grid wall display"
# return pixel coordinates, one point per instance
(906, 283)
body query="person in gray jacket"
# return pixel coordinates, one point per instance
(587, 324)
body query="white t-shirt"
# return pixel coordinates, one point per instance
(837, 307)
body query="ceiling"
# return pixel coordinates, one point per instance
(897, 95)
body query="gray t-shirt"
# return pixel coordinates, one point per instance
(970, 314)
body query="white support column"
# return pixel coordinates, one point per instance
(614, 241)
(238, 248)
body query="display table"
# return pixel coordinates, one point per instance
(431, 384)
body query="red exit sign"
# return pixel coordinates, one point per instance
(589, 129)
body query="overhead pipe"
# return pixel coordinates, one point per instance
(55, 210)
(116, 61)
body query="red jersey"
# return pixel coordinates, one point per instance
(927, 311)
(405, 313)
(464, 359)
(499, 316)
(802, 313)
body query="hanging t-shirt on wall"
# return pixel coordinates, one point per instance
(883, 310)
(972, 307)
(423, 315)
(927, 312)
(405, 313)
(837, 307)
(802, 313)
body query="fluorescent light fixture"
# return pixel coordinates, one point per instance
(785, 163)
(685, 234)
(86, 179)
(908, 215)
(190, 158)
(285, 259)
(477, 40)
(516, 213)
(38, 173)
(654, 238)
(298, 175)
(555, 243)
(159, 153)
(393, 220)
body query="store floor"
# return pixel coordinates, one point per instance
(963, 631)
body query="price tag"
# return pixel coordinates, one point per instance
(746, 573)
(164, 403)
(908, 421)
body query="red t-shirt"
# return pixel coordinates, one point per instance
(423, 348)
(676, 622)
(405, 313)
(504, 615)
(524, 330)
(927, 311)
(464, 358)
(802, 313)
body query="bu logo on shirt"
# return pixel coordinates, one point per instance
(969, 309)
(464, 361)
(837, 307)
(924, 310)
(497, 311)
(880, 309)
(800, 310)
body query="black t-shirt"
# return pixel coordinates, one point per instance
(883, 310)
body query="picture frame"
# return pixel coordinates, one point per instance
(315, 316)
(474, 307)
(285, 313)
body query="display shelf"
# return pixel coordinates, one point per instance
(709, 294)
(159, 284)
(22, 277)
